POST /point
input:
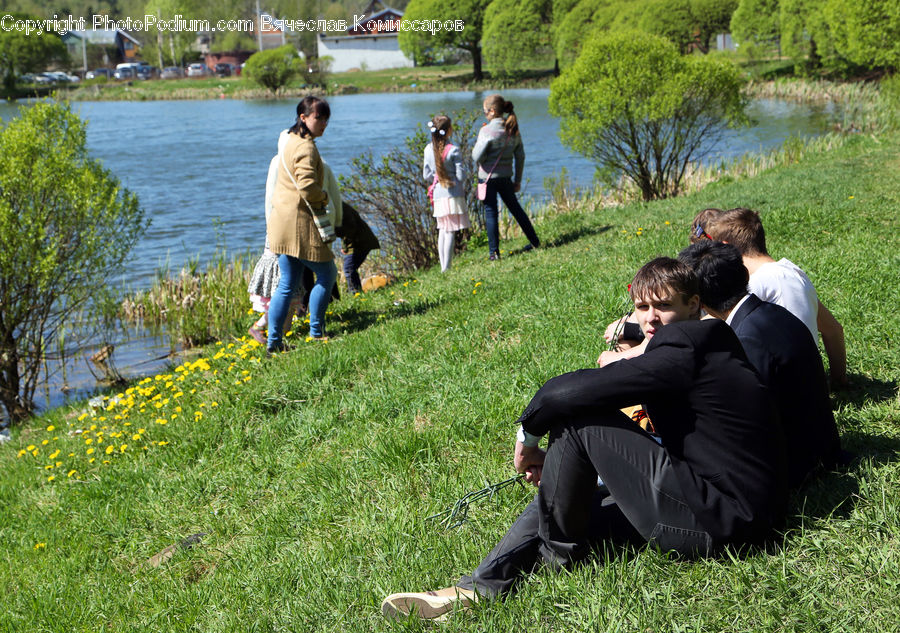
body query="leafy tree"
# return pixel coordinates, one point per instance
(515, 32)
(866, 32)
(65, 227)
(671, 19)
(711, 17)
(21, 53)
(756, 21)
(417, 43)
(805, 34)
(572, 25)
(638, 108)
(274, 68)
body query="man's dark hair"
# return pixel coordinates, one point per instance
(720, 271)
(739, 226)
(664, 277)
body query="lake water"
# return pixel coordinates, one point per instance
(199, 167)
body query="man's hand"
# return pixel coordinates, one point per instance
(608, 357)
(529, 460)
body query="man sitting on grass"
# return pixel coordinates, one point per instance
(781, 282)
(717, 477)
(786, 359)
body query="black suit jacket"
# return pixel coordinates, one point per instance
(715, 418)
(787, 359)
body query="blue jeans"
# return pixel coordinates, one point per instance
(291, 276)
(352, 262)
(505, 188)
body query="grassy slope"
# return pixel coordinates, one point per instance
(314, 477)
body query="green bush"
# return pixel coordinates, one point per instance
(65, 226)
(273, 69)
(637, 108)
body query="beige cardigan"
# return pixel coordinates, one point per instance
(290, 227)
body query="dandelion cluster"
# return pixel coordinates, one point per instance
(140, 418)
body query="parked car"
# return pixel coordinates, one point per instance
(224, 69)
(171, 72)
(127, 72)
(197, 70)
(99, 72)
(146, 71)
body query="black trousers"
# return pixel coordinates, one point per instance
(570, 516)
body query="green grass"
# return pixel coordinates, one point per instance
(313, 476)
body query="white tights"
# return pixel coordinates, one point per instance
(446, 242)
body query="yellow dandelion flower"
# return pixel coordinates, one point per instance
(51, 478)
(89, 451)
(82, 416)
(474, 292)
(177, 409)
(142, 430)
(161, 443)
(54, 454)
(110, 449)
(477, 283)
(50, 428)
(40, 545)
(129, 391)
(92, 460)
(45, 442)
(71, 472)
(122, 448)
(136, 437)
(214, 404)
(30, 447)
(35, 452)
(48, 467)
(161, 421)
(71, 454)
(22, 452)
(106, 461)
(58, 464)
(93, 427)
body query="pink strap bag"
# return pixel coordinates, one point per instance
(482, 186)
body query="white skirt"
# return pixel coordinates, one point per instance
(451, 213)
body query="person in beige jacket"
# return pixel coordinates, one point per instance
(299, 227)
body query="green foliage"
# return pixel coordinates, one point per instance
(756, 21)
(274, 68)
(711, 17)
(866, 32)
(65, 227)
(572, 26)
(516, 32)
(638, 108)
(417, 44)
(671, 19)
(21, 53)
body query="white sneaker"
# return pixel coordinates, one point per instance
(429, 605)
(5, 435)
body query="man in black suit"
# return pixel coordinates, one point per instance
(777, 345)
(717, 477)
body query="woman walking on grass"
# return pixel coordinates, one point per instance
(300, 228)
(444, 170)
(499, 154)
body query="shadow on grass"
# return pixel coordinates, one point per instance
(865, 390)
(576, 234)
(355, 319)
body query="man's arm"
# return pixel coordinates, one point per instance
(665, 370)
(833, 339)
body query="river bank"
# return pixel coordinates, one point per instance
(311, 473)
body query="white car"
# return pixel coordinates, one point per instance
(197, 70)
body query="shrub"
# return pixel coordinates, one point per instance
(391, 191)
(635, 106)
(274, 68)
(65, 227)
